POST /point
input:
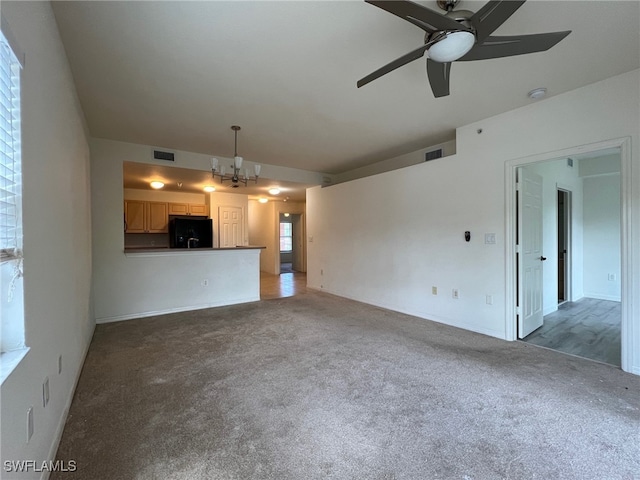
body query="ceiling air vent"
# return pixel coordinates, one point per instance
(433, 154)
(160, 155)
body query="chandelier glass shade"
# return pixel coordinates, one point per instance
(236, 177)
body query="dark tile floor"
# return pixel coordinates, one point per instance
(587, 328)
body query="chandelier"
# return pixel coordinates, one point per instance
(237, 176)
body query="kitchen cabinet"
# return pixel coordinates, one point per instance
(189, 209)
(146, 217)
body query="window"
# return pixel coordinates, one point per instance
(285, 237)
(10, 201)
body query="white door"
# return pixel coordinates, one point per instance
(530, 258)
(230, 226)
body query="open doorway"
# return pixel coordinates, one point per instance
(564, 244)
(291, 227)
(577, 228)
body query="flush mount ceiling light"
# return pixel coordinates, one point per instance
(156, 185)
(209, 189)
(263, 200)
(236, 177)
(274, 191)
(537, 93)
(450, 46)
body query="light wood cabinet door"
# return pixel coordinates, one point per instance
(134, 216)
(146, 217)
(198, 209)
(178, 209)
(157, 218)
(188, 209)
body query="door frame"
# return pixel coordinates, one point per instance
(281, 209)
(626, 250)
(568, 256)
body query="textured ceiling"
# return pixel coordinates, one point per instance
(179, 74)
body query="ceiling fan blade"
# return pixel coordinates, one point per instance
(397, 63)
(492, 15)
(428, 20)
(497, 47)
(438, 74)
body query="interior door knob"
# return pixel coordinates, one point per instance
(543, 258)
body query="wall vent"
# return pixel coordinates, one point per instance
(433, 154)
(160, 155)
(570, 162)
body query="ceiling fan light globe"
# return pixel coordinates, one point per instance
(453, 46)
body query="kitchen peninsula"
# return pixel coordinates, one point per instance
(157, 281)
(168, 264)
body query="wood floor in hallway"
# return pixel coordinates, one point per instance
(588, 328)
(283, 285)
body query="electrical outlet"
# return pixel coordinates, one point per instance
(205, 283)
(489, 300)
(612, 277)
(29, 423)
(45, 392)
(434, 290)
(454, 293)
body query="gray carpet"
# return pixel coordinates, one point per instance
(316, 386)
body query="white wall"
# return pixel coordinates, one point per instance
(264, 221)
(413, 158)
(602, 237)
(164, 196)
(401, 232)
(262, 231)
(57, 239)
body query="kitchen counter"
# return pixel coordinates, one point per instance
(166, 250)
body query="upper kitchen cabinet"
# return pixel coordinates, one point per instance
(189, 209)
(146, 217)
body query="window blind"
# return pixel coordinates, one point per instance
(10, 147)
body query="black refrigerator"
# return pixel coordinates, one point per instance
(190, 233)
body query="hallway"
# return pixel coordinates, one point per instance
(283, 285)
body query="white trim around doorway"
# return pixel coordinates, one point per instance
(629, 344)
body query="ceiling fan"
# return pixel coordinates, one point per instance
(460, 35)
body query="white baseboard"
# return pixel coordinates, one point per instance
(153, 313)
(613, 298)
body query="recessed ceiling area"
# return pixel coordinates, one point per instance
(186, 180)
